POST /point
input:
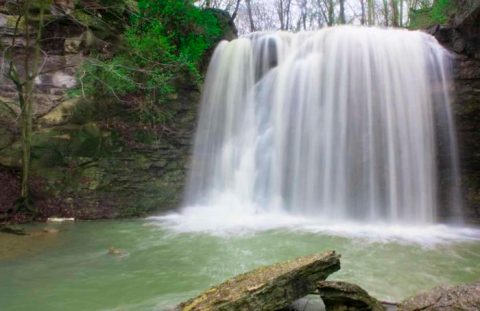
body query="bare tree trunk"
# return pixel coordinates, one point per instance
(235, 11)
(341, 18)
(385, 9)
(362, 19)
(25, 84)
(394, 5)
(371, 12)
(287, 13)
(401, 13)
(26, 122)
(322, 13)
(304, 14)
(331, 13)
(280, 14)
(250, 16)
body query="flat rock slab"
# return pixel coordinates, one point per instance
(267, 288)
(339, 296)
(465, 297)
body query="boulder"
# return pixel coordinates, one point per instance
(267, 288)
(465, 297)
(50, 230)
(339, 296)
(113, 251)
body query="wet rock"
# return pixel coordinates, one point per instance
(465, 297)
(73, 45)
(339, 296)
(113, 251)
(12, 230)
(50, 230)
(462, 37)
(267, 288)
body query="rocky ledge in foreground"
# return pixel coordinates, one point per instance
(465, 297)
(339, 296)
(267, 288)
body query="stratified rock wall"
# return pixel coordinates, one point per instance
(462, 37)
(95, 168)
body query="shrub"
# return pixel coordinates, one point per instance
(438, 13)
(164, 38)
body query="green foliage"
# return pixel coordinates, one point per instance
(165, 38)
(441, 10)
(438, 13)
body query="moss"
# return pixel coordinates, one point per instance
(92, 177)
(83, 18)
(267, 288)
(12, 22)
(438, 13)
(145, 137)
(61, 113)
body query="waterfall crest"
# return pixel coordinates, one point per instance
(345, 123)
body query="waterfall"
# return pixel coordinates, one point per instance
(345, 123)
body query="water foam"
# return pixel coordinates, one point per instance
(346, 131)
(234, 220)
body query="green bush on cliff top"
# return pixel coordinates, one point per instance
(165, 38)
(438, 13)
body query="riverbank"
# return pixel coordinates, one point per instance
(160, 266)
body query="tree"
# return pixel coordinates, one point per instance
(302, 20)
(362, 17)
(386, 12)
(23, 74)
(395, 13)
(283, 10)
(250, 15)
(341, 18)
(371, 12)
(326, 15)
(235, 11)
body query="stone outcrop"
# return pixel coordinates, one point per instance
(338, 296)
(465, 297)
(93, 167)
(267, 288)
(462, 37)
(63, 44)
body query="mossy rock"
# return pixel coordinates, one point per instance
(267, 288)
(339, 296)
(465, 297)
(11, 156)
(60, 114)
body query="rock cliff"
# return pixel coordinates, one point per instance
(84, 166)
(462, 38)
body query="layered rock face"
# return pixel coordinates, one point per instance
(462, 37)
(89, 167)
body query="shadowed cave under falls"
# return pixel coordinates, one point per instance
(343, 124)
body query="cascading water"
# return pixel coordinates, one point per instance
(346, 123)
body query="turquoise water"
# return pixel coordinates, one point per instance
(159, 267)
